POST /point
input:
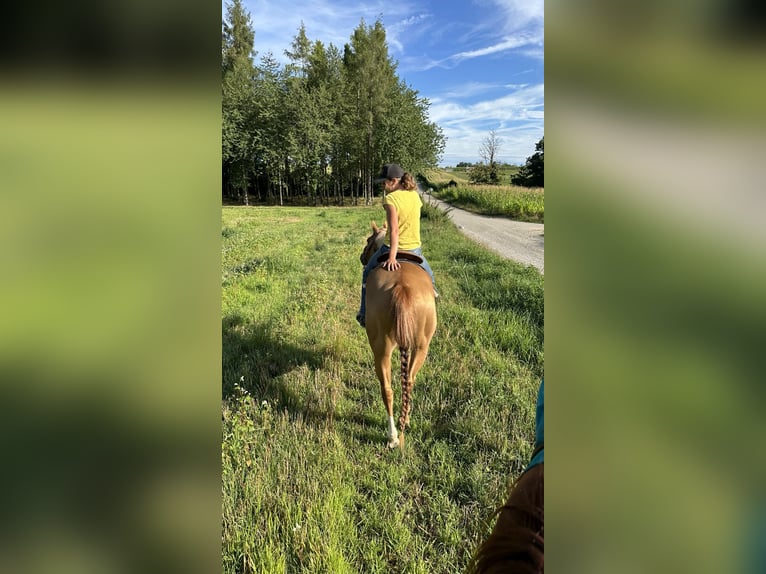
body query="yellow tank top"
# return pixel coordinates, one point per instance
(407, 204)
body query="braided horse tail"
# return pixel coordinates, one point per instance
(405, 339)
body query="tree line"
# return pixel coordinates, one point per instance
(317, 129)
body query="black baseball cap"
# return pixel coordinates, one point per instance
(390, 171)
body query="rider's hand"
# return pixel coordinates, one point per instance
(391, 265)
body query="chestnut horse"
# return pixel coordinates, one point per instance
(401, 312)
(517, 542)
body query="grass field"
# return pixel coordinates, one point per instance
(308, 484)
(519, 203)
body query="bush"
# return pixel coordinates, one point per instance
(483, 173)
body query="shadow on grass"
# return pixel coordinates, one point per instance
(365, 428)
(257, 360)
(254, 359)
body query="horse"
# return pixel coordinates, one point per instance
(400, 312)
(516, 543)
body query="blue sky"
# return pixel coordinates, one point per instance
(479, 62)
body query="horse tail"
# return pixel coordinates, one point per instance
(406, 390)
(405, 340)
(403, 317)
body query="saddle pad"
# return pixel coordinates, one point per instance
(402, 256)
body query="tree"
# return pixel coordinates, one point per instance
(238, 136)
(370, 79)
(488, 151)
(237, 38)
(405, 134)
(322, 125)
(300, 55)
(489, 148)
(302, 131)
(271, 125)
(311, 100)
(532, 173)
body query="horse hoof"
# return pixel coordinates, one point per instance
(393, 443)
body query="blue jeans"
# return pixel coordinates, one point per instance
(373, 263)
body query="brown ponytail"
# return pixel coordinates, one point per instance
(408, 182)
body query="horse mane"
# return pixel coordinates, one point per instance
(516, 543)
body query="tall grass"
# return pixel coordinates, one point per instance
(519, 203)
(308, 484)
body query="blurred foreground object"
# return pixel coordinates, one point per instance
(654, 285)
(110, 291)
(109, 344)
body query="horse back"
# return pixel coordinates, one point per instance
(401, 305)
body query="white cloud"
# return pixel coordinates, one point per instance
(513, 106)
(531, 40)
(522, 13)
(507, 43)
(516, 143)
(411, 27)
(420, 63)
(535, 54)
(471, 89)
(520, 23)
(330, 22)
(517, 118)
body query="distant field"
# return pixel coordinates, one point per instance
(308, 484)
(443, 176)
(519, 203)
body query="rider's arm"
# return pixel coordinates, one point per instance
(393, 226)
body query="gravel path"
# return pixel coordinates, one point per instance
(516, 240)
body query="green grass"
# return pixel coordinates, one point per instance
(519, 203)
(308, 484)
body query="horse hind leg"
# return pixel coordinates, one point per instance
(383, 370)
(416, 360)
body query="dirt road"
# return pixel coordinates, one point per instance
(516, 240)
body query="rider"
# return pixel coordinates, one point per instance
(402, 204)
